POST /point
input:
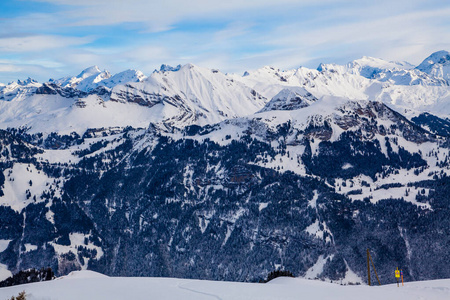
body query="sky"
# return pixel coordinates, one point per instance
(45, 39)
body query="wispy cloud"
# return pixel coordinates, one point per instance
(406, 36)
(40, 43)
(231, 35)
(10, 71)
(9, 68)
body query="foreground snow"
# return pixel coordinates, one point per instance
(91, 285)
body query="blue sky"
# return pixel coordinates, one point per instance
(56, 38)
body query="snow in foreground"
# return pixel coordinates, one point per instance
(91, 285)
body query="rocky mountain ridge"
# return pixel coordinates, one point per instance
(193, 95)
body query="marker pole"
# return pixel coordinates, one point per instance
(368, 266)
(375, 270)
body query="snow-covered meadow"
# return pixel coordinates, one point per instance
(91, 285)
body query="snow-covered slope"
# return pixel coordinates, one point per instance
(54, 113)
(90, 285)
(192, 95)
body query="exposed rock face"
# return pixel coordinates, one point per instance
(54, 89)
(135, 95)
(288, 99)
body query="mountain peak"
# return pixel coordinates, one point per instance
(93, 70)
(321, 67)
(188, 66)
(27, 81)
(368, 60)
(132, 72)
(123, 77)
(438, 57)
(168, 68)
(437, 64)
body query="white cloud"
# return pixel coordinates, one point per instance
(9, 68)
(39, 43)
(12, 70)
(409, 36)
(233, 30)
(30, 23)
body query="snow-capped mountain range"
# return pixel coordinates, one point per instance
(194, 173)
(189, 94)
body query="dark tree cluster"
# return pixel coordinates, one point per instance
(276, 274)
(29, 276)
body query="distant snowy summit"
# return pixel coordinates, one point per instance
(437, 64)
(167, 68)
(92, 77)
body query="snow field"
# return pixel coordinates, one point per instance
(91, 285)
(76, 240)
(4, 272)
(23, 179)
